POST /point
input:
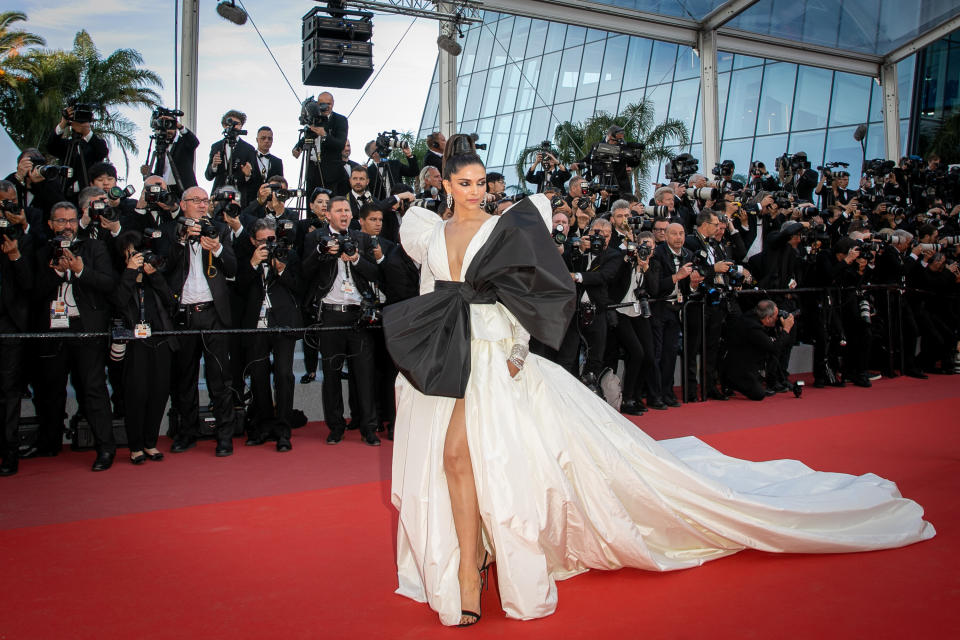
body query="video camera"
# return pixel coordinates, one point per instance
(83, 112)
(723, 169)
(826, 169)
(680, 168)
(387, 141)
(163, 119)
(878, 167)
(232, 134)
(604, 155)
(313, 113)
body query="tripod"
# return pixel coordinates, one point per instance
(307, 144)
(73, 150)
(162, 151)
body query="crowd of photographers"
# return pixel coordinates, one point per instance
(167, 272)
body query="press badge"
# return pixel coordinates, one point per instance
(142, 330)
(58, 315)
(347, 287)
(262, 320)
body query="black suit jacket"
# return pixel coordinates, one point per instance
(16, 283)
(558, 178)
(399, 274)
(92, 152)
(183, 153)
(91, 289)
(431, 159)
(748, 345)
(274, 168)
(225, 266)
(320, 268)
(244, 154)
(159, 303)
(601, 274)
(45, 194)
(662, 269)
(397, 171)
(285, 293)
(805, 185)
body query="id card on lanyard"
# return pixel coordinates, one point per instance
(59, 318)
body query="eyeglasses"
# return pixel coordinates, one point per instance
(197, 201)
(62, 222)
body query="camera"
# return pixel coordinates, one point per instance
(9, 206)
(346, 245)
(99, 209)
(558, 235)
(826, 169)
(783, 199)
(868, 250)
(583, 203)
(597, 243)
(657, 210)
(232, 134)
(226, 202)
(371, 311)
(723, 169)
(277, 250)
(640, 223)
(864, 308)
(430, 204)
(54, 171)
(313, 113)
(681, 168)
(638, 251)
(9, 229)
(153, 259)
(163, 119)
(556, 202)
(285, 194)
(115, 193)
(82, 112)
(207, 228)
(703, 193)
(605, 155)
(155, 194)
(60, 243)
(878, 167)
(388, 141)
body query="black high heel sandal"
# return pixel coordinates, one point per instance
(484, 583)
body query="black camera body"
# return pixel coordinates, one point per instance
(231, 135)
(387, 141)
(207, 228)
(54, 171)
(83, 112)
(285, 194)
(783, 199)
(155, 194)
(641, 223)
(59, 243)
(226, 202)
(597, 243)
(878, 167)
(99, 209)
(9, 229)
(313, 113)
(827, 169)
(163, 119)
(116, 193)
(346, 245)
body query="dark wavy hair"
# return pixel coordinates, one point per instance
(460, 152)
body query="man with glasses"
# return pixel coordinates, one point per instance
(74, 280)
(198, 268)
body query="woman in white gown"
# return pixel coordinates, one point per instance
(546, 477)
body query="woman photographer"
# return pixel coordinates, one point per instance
(319, 205)
(145, 302)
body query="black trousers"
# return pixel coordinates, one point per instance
(272, 406)
(385, 376)
(87, 359)
(336, 346)
(595, 339)
(668, 327)
(748, 383)
(826, 346)
(215, 351)
(639, 371)
(146, 386)
(11, 386)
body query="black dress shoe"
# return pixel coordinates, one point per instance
(182, 444)
(9, 466)
(630, 408)
(862, 381)
(224, 448)
(103, 462)
(156, 457)
(140, 459)
(916, 373)
(715, 394)
(283, 444)
(656, 404)
(254, 441)
(671, 402)
(371, 439)
(307, 378)
(335, 437)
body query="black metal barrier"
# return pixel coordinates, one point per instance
(60, 335)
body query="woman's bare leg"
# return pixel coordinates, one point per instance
(466, 510)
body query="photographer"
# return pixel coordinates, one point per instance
(338, 269)
(325, 135)
(595, 269)
(34, 190)
(77, 146)
(175, 154)
(199, 265)
(267, 163)
(596, 165)
(712, 264)
(664, 197)
(104, 176)
(552, 171)
(892, 268)
(633, 328)
(385, 173)
(16, 288)
(316, 219)
(760, 178)
(836, 192)
(232, 159)
(271, 281)
(431, 183)
(73, 282)
(750, 341)
(392, 209)
(802, 179)
(581, 204)
(497, 186)
(98, 220)
(146, 304)
(724, 175)
(672, 279)
(359, 194)
(156, 209)
(271, 200)
(853, 257)
(436, 145)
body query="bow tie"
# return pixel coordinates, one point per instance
(261, 155)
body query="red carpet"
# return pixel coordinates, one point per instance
(199, 547)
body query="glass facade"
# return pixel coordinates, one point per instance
(518, 78)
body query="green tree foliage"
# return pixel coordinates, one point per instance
(573, 141)
(946, 141)
(14, 67)
(31, 109)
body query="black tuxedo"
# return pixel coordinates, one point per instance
(274, 167)
(16, 287)
(399, 274)
(243, 153)
(804, 185)
(213, 347)
(320, 269)
(328, 171)
(355, 205)
(386, 175)
(183, 154)
(88, 154)
(45, 194)
(597, 274)
(431, 159)
(85, 359)
(557, 178)
(666, 315)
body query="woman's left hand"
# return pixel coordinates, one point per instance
(513, 369)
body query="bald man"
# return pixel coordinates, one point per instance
(325, 163)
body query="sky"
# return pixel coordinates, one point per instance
(237, 72)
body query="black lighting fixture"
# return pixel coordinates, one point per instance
(230, 11)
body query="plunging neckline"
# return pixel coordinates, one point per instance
(467, 252)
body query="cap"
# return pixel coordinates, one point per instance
(614, 130)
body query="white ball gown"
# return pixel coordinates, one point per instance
(566, 484)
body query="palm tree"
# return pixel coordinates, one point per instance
(573, 141)
(32, 109)
(13, 65)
